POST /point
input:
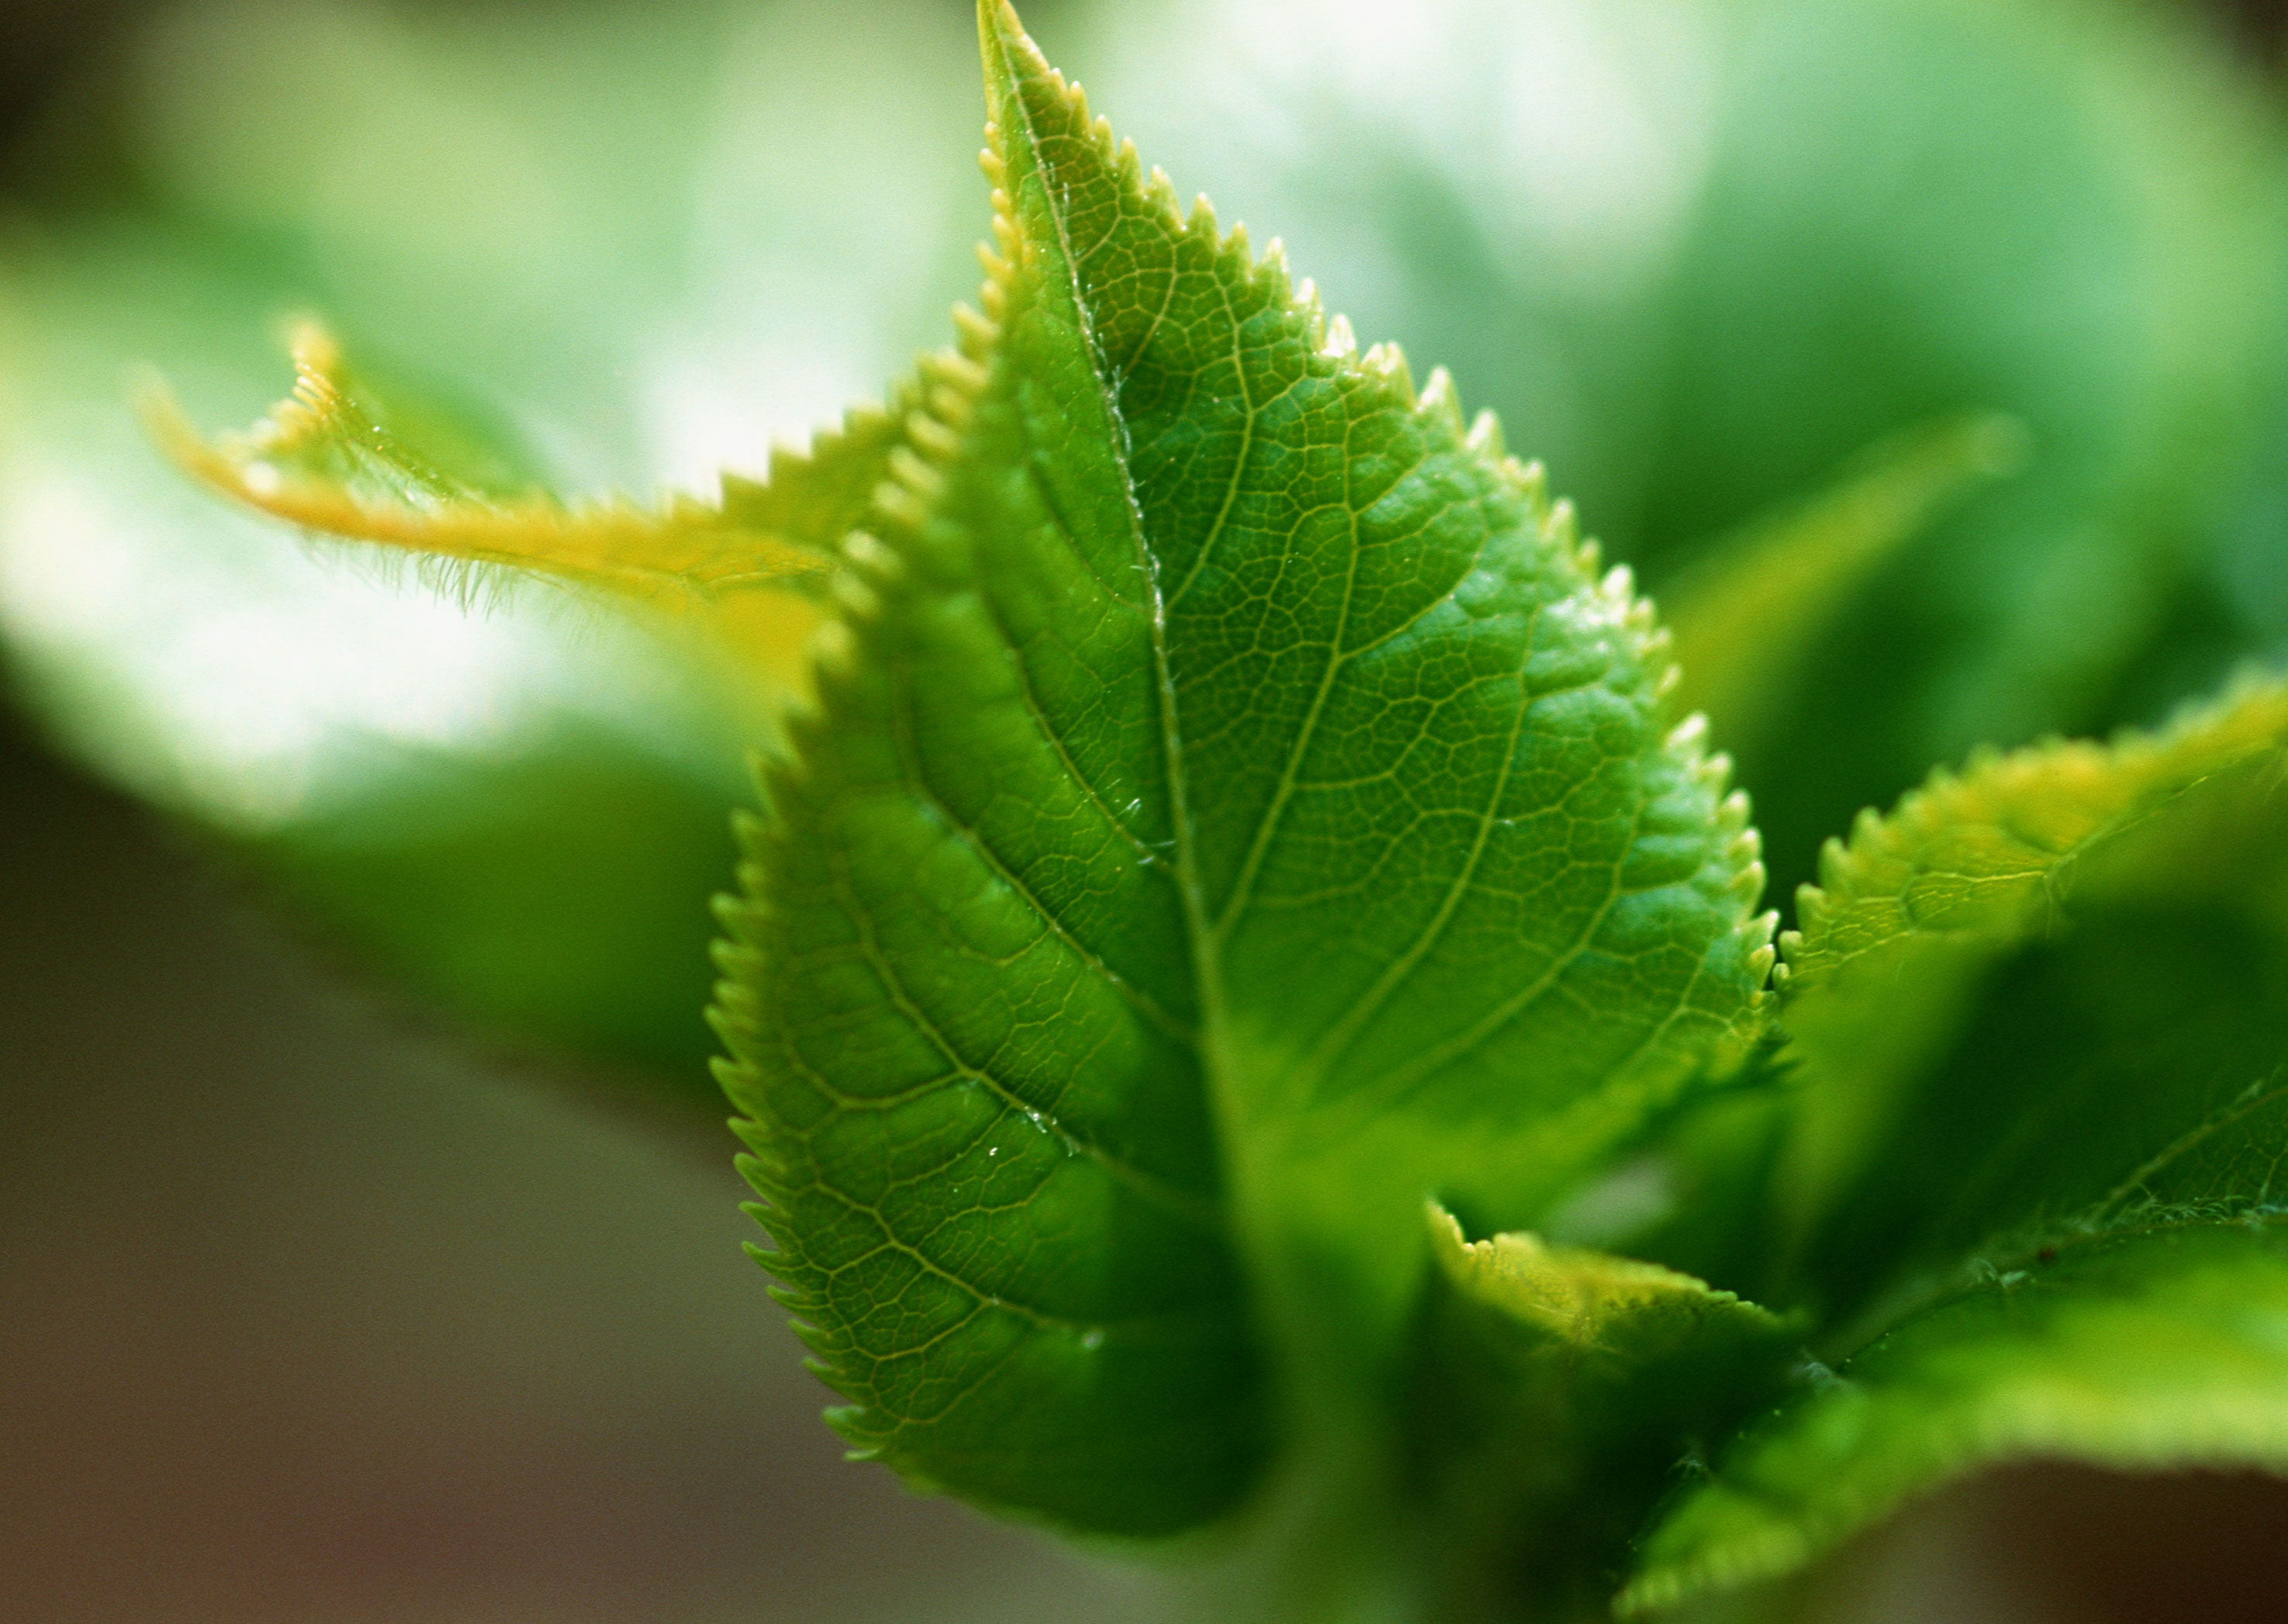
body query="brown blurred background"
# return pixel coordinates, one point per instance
(309, 1313)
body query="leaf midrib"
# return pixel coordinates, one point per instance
(1208, 928)
(1184, 869)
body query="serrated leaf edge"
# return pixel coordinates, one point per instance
(1882, 851)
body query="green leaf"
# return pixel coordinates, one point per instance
(1555, 1388)
(2039, 1013)
(2156, 1352)
(1746, 614)
(1913, 1024)
(1238, 809)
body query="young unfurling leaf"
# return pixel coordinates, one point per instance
(330, 458)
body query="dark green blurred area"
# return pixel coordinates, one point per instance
(1699, 254)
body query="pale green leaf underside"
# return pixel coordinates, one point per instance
(1577, 1304)
(2167, 1350)
(1238, 809)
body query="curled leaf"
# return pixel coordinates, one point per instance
(331, 459)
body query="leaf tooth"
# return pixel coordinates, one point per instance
(854, 598)
(1747, 885)
(736, 1026)
(1562, 526)
(730, 1076)
(899, 503)
(1389, 362)
(1442, 401)
(1689, 737)
(741, 1038)
(935, 440)
(1272, 272)
(785, 1296)
(1127, 165)
(735, 1000)
(736, 921)
(1008, 241)
(989, 158)
(833, 651)
(1159, 193)
(1202, 221)
(916, 473)
(1485, 436)
(844, 1421)
(789, 462)
(867, 553)
(1341, 342)
(1834, 866)
(823, 1348)
(1306, 303)
(978, 333)
(845, 1418)
(952, 371)
(1618, 584)
(756, 1136)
